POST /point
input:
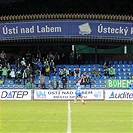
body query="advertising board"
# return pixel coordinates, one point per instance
(118, 83)
(99, 29)
(118, 94)
(15, 94)
(67, 94)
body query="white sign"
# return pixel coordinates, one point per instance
(67, 94)
(15, 94)
(118, 94)
(85, 29)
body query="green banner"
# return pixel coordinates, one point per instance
(111, 83)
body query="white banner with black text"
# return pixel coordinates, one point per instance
(67, 94)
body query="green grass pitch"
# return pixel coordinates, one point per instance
(54, 117)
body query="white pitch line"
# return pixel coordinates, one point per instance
(69, 119)
(34, 121)
(57, 121)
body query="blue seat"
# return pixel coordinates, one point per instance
(98, 86)
(21, 81)
(72, 86)
(127, 76)
(47, 78)
(21, 86)
(76, 79)
(116, 70)
(72, 81)
(52, 78)
(1, 86)
(87, 68)
(96, 65)
(36, 81)
(82, 70)
(110, 63)
(88, 87)
(120, 62)
(92, 66)
(6, 82)
(97, 81)
(16, 86)
(93, 86)
(51, 74)
(103, 86)
(122, 75)
(72, 68)
(102, 82)
(82, 66)
(61, 66)
(101, 70)
(57, 73)
(67, 66)
(6, 86)
(125, 62)
(13, 66)
(107, 77)
(76, 66)
(117, 77)
(115, 62)
(72, 78)
(130, 62)
(11, 82)
(121, 66)
(57, 78)
(11, 86)
(125, 66)
(97, 78)
(91, 69)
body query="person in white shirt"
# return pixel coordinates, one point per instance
(12, 75)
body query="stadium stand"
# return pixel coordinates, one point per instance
(123, 70)
(122, 67)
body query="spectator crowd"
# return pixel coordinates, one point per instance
(31, 67)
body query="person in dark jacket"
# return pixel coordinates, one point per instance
(88, 80)
(64, 81)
